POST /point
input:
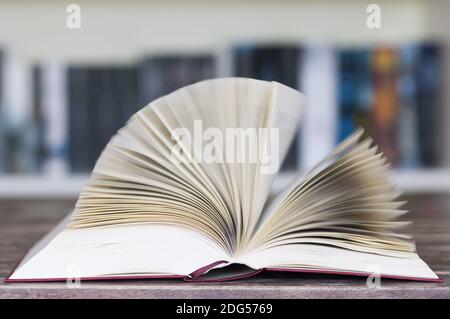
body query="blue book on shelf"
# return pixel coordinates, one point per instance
(408, 139)
(346, 93)
(429, 103)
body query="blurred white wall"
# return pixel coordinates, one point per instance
(122, 29)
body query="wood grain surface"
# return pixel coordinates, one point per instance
(22, 223)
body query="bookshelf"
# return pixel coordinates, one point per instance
(207, 26)
(44, 187)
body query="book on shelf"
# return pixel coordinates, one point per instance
(279, 63)
(160, 75)
(408, 126)
(103, 110)
(38, 116)
(354, 91)
(364, 90)
(101, 99)
(125, 93)
(79, 114)
(150, 212)
(346, 93)
(385, 107)
(429, 103)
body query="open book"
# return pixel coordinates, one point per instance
(157, 206)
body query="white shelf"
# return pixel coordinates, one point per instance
(426, 181)
(41, 186)
(409, 181)
(414, 181)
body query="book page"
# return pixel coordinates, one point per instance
(327, 259)
(131, 250)
(156, 169)
(347, 201)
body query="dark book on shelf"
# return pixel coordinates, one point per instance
(271, 63)
(79, 114)
(160, 75)
(125, 93)
(346, 92)
(363, 90)
(102, 98)
(408, 128)
(355, 91)
(103, 109)
(429, 81)
(39, 150)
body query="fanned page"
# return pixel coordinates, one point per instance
(158, 204)
(342, 217)
(150, 211)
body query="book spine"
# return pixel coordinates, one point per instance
(428, 79)
(199, 68)
(178, 76)
(79, 135)
(408, 129)
(346, 93)
(149, 81)
(104, 110)
(363, 91)
(95, 124)
(318, 83)
(385, 110)
(244, 61)
(38, 116)
(161, 75)
(125, 94)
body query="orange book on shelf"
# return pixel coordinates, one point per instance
(385, 108)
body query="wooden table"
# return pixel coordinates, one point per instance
(23, 223)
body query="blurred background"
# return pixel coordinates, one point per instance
(65, 91)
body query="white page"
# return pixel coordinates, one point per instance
(125, 250)
(321, 257)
